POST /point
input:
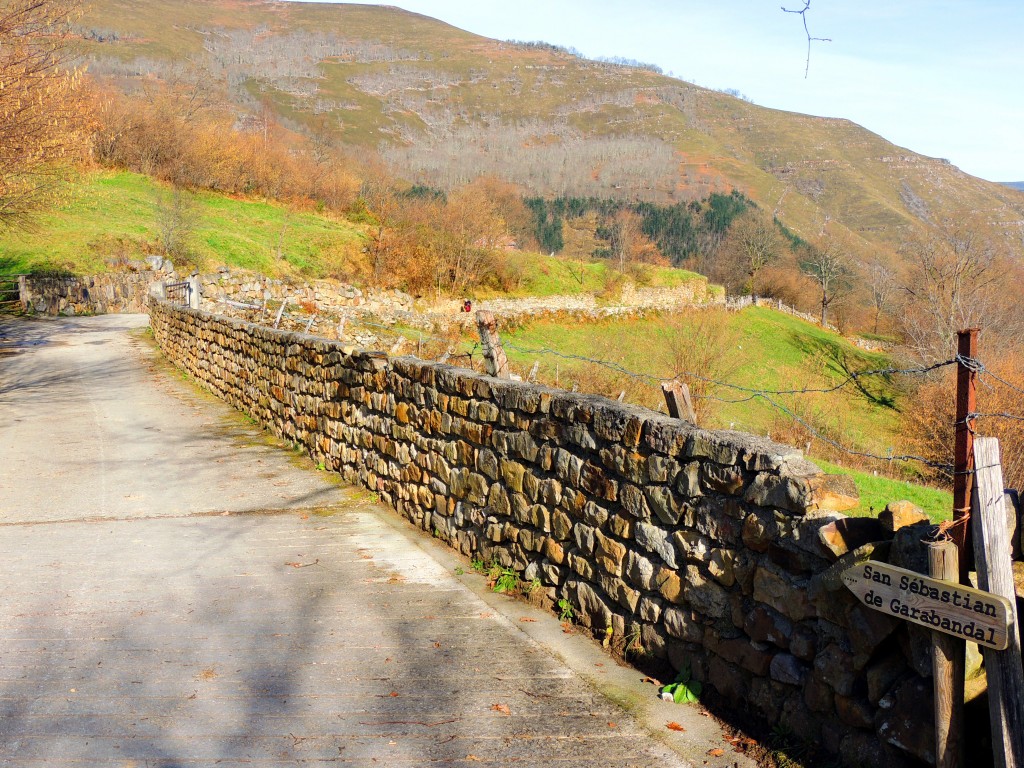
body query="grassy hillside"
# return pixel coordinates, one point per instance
(758, 348)
(447, 105)
(110, 215)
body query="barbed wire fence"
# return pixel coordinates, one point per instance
(457, 349)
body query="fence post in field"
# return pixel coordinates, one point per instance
(677, 398)
(280, 311)
(494, 354)
(995, 574)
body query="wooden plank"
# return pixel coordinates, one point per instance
(677, 398)
(967, 613)
(995, 573)
(947, 666)
(494, 353)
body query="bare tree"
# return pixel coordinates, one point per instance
(958, 279)
(882, 287)
(752, 243)
(828, 266)
(41, 113)
(176, 220)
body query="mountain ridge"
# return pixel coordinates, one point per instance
(445, 105)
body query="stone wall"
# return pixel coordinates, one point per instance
(112, 292)
(710, 549)
(327, 296)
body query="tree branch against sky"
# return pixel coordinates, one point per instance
(802, 13)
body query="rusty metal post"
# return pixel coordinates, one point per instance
(963, 447)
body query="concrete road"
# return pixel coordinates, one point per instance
(176, 590)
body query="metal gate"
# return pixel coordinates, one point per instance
(10, 295)
(179, 293)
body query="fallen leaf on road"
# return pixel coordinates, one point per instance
(523, 618)
(503, 708)
(674, 726)
(716, 752)
(393, 694)
(611, 725)
(303, 565)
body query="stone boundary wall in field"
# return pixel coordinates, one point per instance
(710, 549)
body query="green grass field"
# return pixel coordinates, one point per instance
(757, 348)
(876, 491)
(544, 275)
(117, 214)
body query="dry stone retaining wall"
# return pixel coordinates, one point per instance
(110, 293)
(704, 547)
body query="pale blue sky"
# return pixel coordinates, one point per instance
(942, 77)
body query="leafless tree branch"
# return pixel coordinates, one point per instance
(802, 13)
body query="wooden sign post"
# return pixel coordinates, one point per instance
(995, 572)
(947, 666)
(963, 612)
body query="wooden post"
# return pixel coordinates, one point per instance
(963, 455)
(995, 574)
(677, 398)
(309, 325)
(533, 372)
(947, 666)
(494, 354)
(280, 312)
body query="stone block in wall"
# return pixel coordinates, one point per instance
(846, 534)
(593, 608)
(785, 593)
(788, 669)
(767, 625)
(785, 493)
(656, 540)
(835, 667)
(705, 595)
(899, 721)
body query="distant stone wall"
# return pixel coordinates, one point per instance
(711, 549)
(317, 295)
(109, 293)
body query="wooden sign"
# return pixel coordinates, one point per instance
(967, 613)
